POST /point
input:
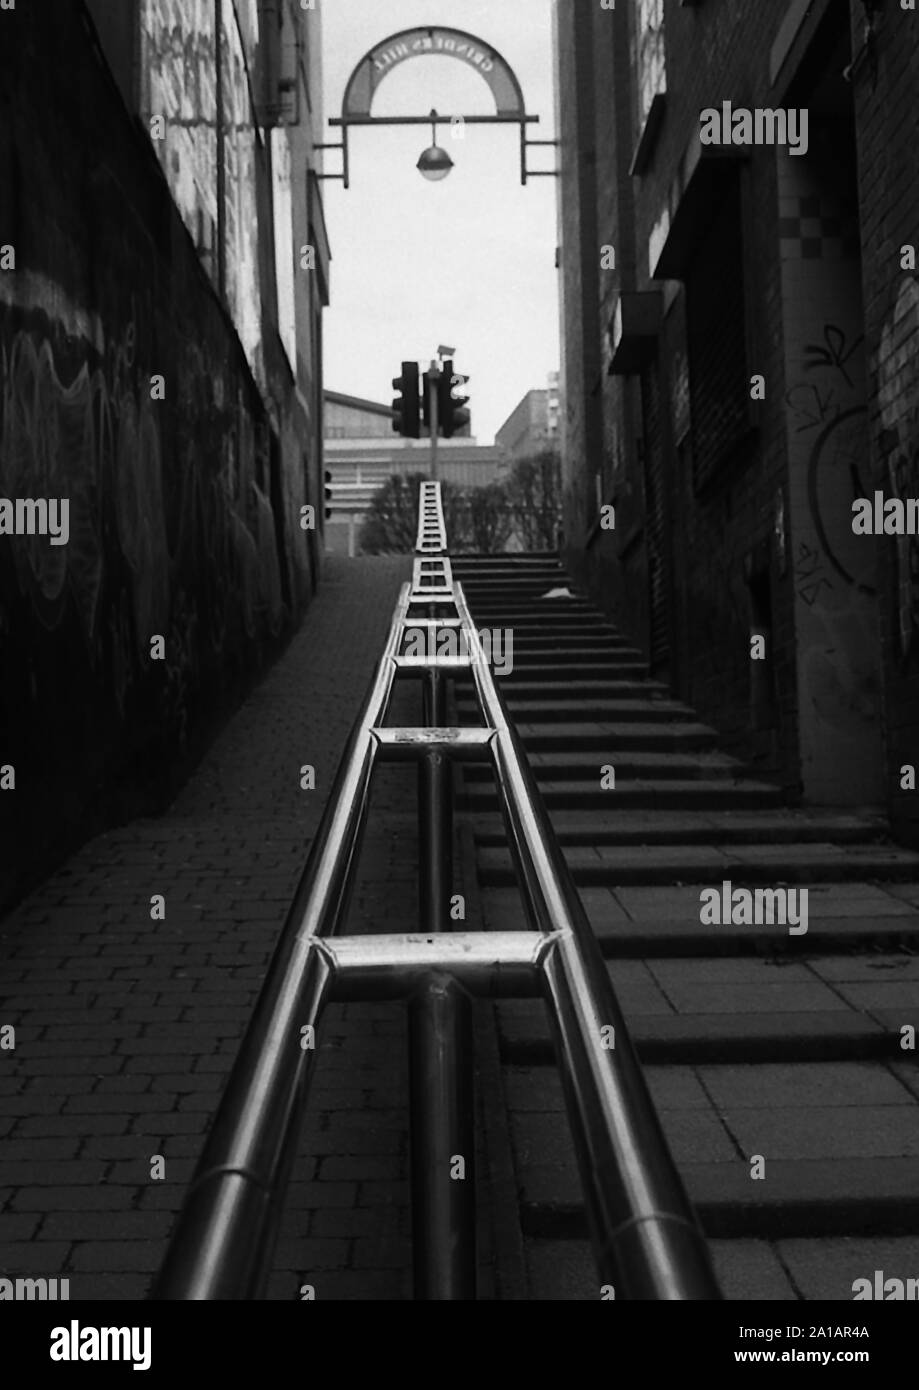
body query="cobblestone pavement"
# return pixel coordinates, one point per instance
(126, 1026)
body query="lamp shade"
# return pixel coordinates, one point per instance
(434, 163)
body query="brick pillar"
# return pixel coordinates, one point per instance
(836, 618)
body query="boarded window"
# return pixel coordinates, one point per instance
(716, 336)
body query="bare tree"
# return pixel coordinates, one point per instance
(391, 524)
(477, 519)
(489, 522)
(534, 488)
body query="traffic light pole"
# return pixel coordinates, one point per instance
(433, 401)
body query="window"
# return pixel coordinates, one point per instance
(652, 78)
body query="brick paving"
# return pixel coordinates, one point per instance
(126, 1026)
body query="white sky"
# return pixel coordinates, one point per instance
(468, 262)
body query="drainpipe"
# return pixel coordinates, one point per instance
(269, 28)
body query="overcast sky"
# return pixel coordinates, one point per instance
(468, 262)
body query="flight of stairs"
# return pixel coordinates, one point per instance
(757, 1043)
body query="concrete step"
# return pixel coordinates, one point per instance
(550, 624)
(608, 737)
(576, 618)
(747, 1270)
(670, 795)
(840, 1142)
(731, 827)
(815, 1005)
(484, 565)
(622, 708)
(551, 610)
(527, 685)
(656, 865)
(572, 652)
(641, 922)
(562, 612)
(699, 1039)
(545, 665)
(630, 766)
(529, 600)
(496, 577)
(867, 1197)
(562, 640)
(529, 586)
(509, 560)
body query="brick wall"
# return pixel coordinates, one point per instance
(886, 91)
(579, 415)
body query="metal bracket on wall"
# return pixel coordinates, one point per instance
(527, 173)
(343, 146)
(344, 123)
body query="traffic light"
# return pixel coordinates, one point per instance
(328, 493)
(426, 401)
(408, 408)
(453, 417)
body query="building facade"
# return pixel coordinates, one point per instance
(532, 425)
(738, 215)
(362, 451)
(164, 271)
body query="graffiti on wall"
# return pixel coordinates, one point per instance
(240, 208)
(179, 61)
(178, 72)
(834, 431)
(898, 399)
(183, 511)
(834, 574)
(187, 551)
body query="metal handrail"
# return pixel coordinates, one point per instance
(646, 1240)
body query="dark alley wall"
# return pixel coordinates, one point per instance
(184, 514)
(887, 107)
(732, 513)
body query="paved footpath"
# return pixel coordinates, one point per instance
(126, 1026)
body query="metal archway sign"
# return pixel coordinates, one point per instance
(385, 57)
(427, 41)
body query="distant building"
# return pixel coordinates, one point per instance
(552, 407)
(532, 425)
(362, 451)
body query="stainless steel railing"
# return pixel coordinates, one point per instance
(646, 1241)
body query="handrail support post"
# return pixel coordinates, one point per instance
(440, 1051)
(435, 814)
(442, 1141)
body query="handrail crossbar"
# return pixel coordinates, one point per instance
(647, 1242)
